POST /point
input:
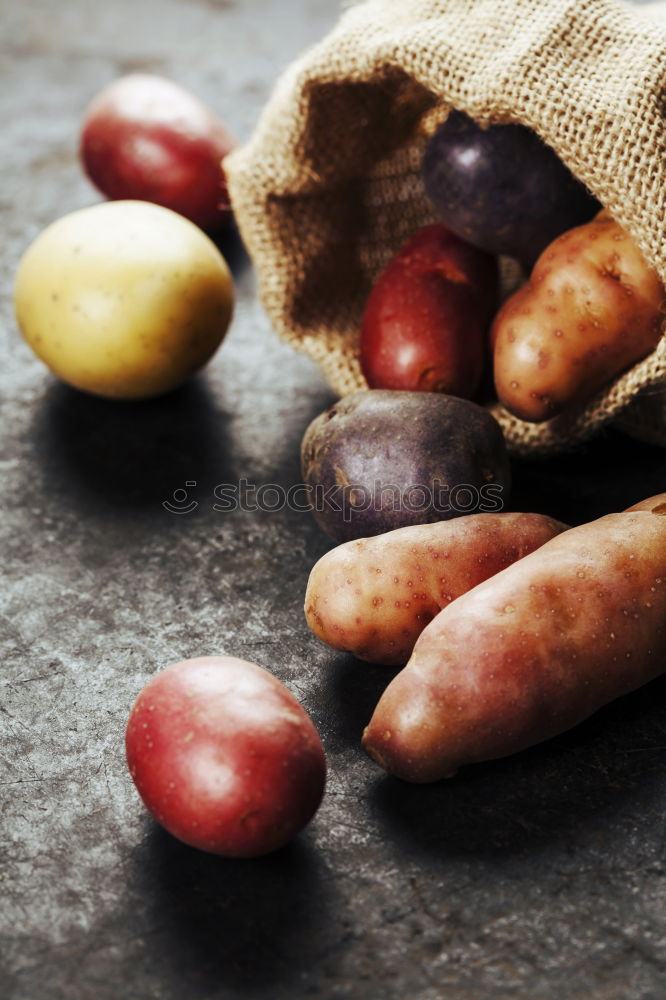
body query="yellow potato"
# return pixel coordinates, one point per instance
(532, 651)
(124, 299)
(591, 309)
(374, 596)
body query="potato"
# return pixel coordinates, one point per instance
(124, 299)
(224, 756)
(425, 324)
(145, 137)
(381, 459)
(532, 651)
(592, 308)
(373, 597)
(502, 188)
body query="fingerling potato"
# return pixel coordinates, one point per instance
(592, 308)
(374, 596)
(532, 651)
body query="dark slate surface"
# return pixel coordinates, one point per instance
(542, 876)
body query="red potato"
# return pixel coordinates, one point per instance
(592, 308)
(374, 596)
(532, 651)
(224, 756)
(146, 138)
(425, 323)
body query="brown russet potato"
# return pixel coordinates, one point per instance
(532, 651)
(591, 309)
(374, 596)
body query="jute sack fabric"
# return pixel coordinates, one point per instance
(329, 185)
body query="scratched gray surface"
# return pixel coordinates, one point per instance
(541, 877)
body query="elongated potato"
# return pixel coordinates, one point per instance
(532, 651)
(592, 308)
(374, 596)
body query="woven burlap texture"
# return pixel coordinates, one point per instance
(329, 185)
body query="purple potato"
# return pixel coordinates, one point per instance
(501, 188)
(384, 459)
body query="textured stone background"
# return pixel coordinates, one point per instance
(541, 877)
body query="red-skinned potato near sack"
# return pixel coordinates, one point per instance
(224, 756)
(591, 309)
(425, 323)
(374, 596)
(147, 138)
(532, 651)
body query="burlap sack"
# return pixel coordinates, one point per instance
(329, 186)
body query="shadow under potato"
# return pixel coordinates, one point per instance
(566, 787)
(230, 244)
(608, 473)
(348, 692)
(126, 454)
(229, 923)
